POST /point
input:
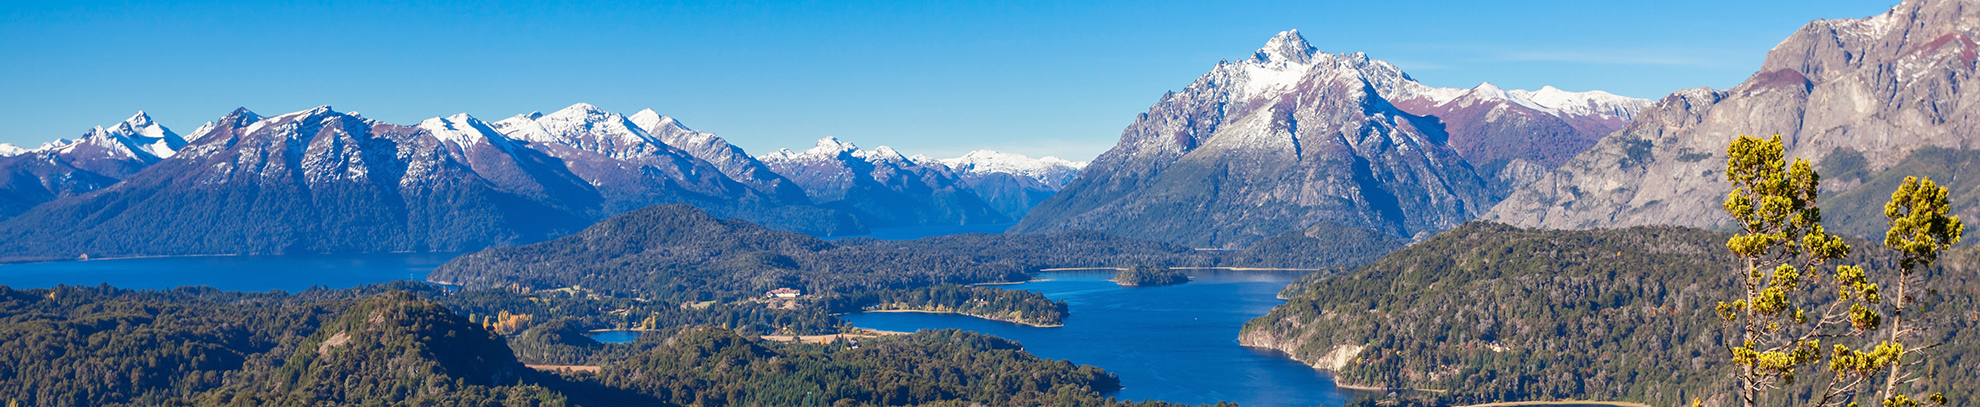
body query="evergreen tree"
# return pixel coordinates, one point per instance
(1920, 230)
(1780, 241)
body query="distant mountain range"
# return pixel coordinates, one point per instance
(326, 181)
(1855, 96)
(1292, 137)
(64, 168)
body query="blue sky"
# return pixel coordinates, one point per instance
(937, 78)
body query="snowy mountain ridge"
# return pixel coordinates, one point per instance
(1050, 170)
(1287, 59)
(1053, 171)
(137, 138)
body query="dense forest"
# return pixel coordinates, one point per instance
(375, 345)
(714, 367)
(676, 253)
(1149, 276)
(1016, 306)
(1488, 312)
(1326, 244)
(674, 265)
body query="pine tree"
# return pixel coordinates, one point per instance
(1920, 229)
(1782, 242)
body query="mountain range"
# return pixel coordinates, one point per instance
(1291, 137)
(326, 181)
(65, 167)
(1857, 97)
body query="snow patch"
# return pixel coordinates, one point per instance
(1050, 170)
(462, 130)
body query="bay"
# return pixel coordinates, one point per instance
(232, 273)
(1174, 343)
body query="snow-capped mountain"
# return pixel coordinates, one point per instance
(119, 150)
(1051, 171)
(629, 167)
(94, 161)
(881, 185)
(319, 180)
(1290, 137)
(1013, 183)
(316, 180)
(732, 160)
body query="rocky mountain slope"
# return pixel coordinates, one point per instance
(1848, 94)
(311, 181)
(1291, 137)
(1514, 137)
(326, 181)
(732, 160)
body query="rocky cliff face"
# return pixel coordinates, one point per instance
(1291, 137)
(1873, 89)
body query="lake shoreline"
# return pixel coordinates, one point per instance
(1558, 403)
(36, 260)
(967, 315)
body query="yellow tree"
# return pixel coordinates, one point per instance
(1781, 242)
(1920, 229)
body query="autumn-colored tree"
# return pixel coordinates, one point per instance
(1781, 240)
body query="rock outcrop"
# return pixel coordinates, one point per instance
(1872, 89)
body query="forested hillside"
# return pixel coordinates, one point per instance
(678, 253)
(1489, 312)
(102, 346)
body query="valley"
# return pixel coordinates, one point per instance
(1297, 226)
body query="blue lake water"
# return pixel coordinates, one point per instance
(614, 336)
(233, 273)
(1174, 343)
(917, 232)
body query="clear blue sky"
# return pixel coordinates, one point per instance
(937, 78)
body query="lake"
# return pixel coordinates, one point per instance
(917, 232)
(233, 273)
(1174, 343)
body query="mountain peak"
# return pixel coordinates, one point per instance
(1287, 47)
(1487, 89)
(580, 110)
(463, 130)
(883, 153)
(833, 146)
(139, 120)
(10, 150)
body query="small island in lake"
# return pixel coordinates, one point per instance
(1149, 276)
